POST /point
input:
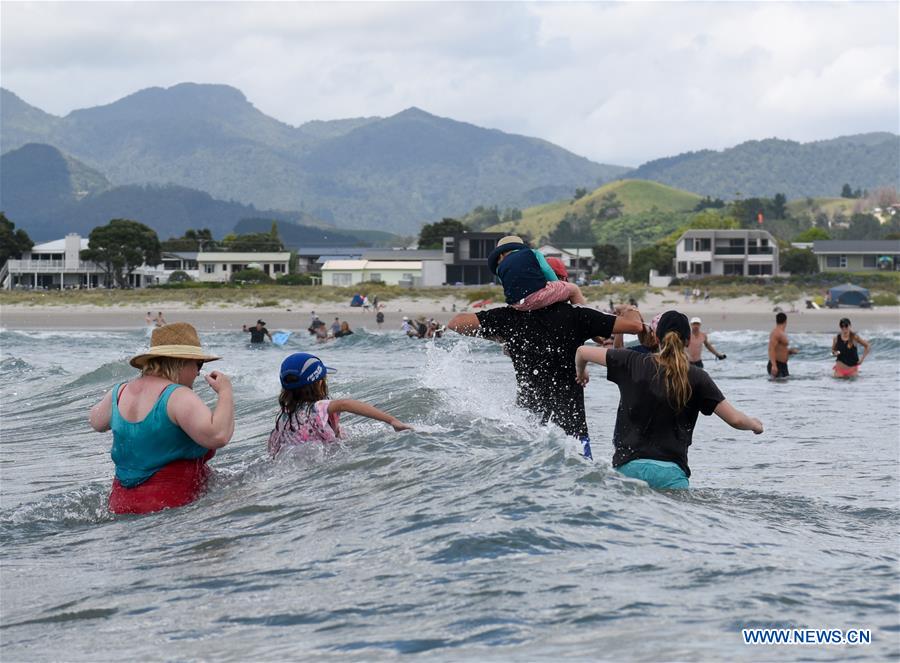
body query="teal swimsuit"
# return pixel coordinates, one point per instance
(142, 449)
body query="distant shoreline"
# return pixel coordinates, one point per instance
(743, 313)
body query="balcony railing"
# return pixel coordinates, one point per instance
(51, 266)
(761, 251)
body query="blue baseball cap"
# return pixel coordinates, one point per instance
(301, 369)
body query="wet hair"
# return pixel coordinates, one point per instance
(674, 364)
(780, 318)
(164, 367)
(306, 396)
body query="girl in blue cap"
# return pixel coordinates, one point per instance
(307, 414)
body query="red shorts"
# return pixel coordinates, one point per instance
(178, 483)
(845, 371)
(554, 291)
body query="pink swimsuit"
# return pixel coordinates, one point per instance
(315, 425)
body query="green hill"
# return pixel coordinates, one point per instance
(639, 198)
(759, 168)
(812, 206)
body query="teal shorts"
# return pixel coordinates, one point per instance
(658, 473)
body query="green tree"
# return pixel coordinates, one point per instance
(254, 242)
(13, 243)
(659, 257)
(192, 240)
(609, 259)
(120, 247)
(812, 234)
(779, 205)
(846, 191)
(580, 193)
(610, 207)
(572, 229)
(799, 261)
(864, 226)
(432, 234)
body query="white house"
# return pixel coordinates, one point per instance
(578, 261)
(58, 265)
(218, 267)
(726, 253)
(350, 272)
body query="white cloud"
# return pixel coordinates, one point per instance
(617, 82)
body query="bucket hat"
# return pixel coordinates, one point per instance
(508, 243)
(178, 340)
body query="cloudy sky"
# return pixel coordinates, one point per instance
(616, 82)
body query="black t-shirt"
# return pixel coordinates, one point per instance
(257, 335)
(846, 355)
(542, 346)
(647, 425)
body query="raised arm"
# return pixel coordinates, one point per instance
(546, 269)
(628, 322)
(101, 414)
(465, 323)
(210, 429)
(737, 419)
(365, 410)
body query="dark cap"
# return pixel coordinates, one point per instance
(260, 322)
(676, 322)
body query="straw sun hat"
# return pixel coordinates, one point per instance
(178, 340)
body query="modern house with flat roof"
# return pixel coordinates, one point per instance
(218, 267)
(465, 256)
(701, 253)
(57, 265)
(848, 255)
(400, 267)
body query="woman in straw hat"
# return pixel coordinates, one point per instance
(163, 434)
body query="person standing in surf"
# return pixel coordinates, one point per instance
(779, 348)
(542, 345)
(661, 395)
(699, 340)
(844, 348)
(163, 434)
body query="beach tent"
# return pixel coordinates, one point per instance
(848, 295)
(357, 300)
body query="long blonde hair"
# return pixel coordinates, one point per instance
(673, 361)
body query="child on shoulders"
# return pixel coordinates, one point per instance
(529, 283)
(307, 414)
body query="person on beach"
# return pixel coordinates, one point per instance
(779, 348)
(661, 395)
(844, 348)
(647, 341)
(542, 345)
(160, 320)
(258, 332)
(529, 283)
(699, 340)
(407, 328)
(379, 319)
(307, 414)
(163, 434)
(148, 320)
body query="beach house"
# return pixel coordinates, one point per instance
(846, 255)
(701, 253)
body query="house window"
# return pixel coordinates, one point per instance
(869, 261)
(407, 276)
(341, 278)
(224, 267)
(688, 243)
(843, 262)
(480, 249)
(375, 277)
(449, 246)
(759, 269)
(237, 268)
(733, 268)
(682, 267)
(703, 244)
(279, 268)
(209, 269)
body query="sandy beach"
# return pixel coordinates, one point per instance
(717, 314)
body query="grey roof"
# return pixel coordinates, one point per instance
(403, 254)
(856, 246)
(184, 255)
(316, 251)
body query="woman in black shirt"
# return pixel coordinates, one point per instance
(661, 396)
(844, 349)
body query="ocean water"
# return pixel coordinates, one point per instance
(480, 536)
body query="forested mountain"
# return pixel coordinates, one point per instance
(386, 173)
(295, 236)
(762, 168)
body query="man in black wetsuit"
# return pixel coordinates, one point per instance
(542, 346)
(258, 333)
